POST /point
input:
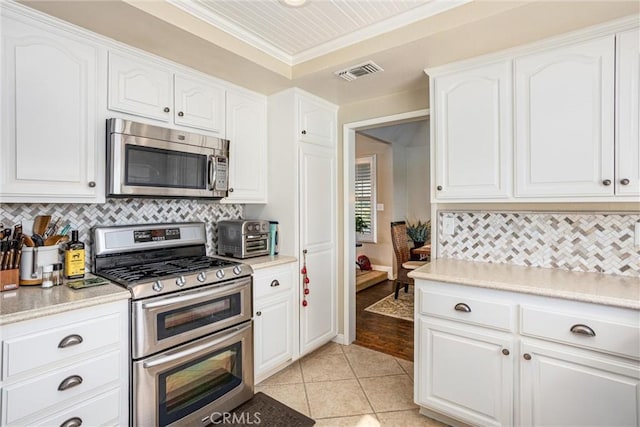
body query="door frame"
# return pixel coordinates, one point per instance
(349, 160)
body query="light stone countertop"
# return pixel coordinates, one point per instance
(266, 261)
(607, 289)
(30, 302)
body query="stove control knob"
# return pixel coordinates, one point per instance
(220, 274)
(157, 286)
(202, 276)
(180, 281)
(237, 270)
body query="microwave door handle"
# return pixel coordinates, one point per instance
(211, 175)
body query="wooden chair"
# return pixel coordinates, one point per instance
(403, 255)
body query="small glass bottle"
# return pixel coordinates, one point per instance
(57, 274)
(47, 273)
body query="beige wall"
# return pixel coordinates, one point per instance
(381, 252)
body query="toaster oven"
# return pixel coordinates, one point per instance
(243, 238)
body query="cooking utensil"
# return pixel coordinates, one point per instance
(65, 230)
(40, 224)
(28, 241)
(51, 229)
(38, 240)
(54, 240)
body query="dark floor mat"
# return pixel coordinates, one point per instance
(265, 411)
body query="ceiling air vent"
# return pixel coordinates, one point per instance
(359, 70)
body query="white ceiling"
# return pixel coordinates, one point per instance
(297, 34)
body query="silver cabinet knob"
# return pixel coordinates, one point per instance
(505, 351)
(259, 313)
(92, 184)
(275, 283)
(70, 340)
(180, 113)
(439, 188)
(304, 132)
(167, 109)
(230, 190)
(526, 356)
(624, 181)
(606, 182)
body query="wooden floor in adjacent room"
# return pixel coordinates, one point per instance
(382, 333)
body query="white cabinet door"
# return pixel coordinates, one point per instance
(199, 105)
(465, 374)
(628, 113)
(51, 146)
(562, 386)
(139, 88)
(564, 118)
(472, 130)
(317, 195)
(316, 123)
(247, 133)
(273, 337)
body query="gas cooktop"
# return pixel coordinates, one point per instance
(158, 259)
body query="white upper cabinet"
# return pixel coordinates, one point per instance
(146, 89)
(199, 104)
(628, 113)
(247, 133)
(564, 120)
(471, 122)
(139, 88)
(52, 148)
(316, 123)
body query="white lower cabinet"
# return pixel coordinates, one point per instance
(555, 363)
(471, 372)
(564, 386)
(274, 310)
(67, 369)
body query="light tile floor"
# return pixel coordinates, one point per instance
(349, 386)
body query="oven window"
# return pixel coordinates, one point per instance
(154, 167)
(180, 320)
(197, 383)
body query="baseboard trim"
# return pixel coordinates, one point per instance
(386, 268)
(340, 339)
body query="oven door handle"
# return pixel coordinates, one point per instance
(170, 357)
(195, 296)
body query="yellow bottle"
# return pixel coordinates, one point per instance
(74, 258)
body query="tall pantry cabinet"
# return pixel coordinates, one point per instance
(302, 190)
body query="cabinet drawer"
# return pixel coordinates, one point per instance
(26, 397)
(103, 409)
(585, 331)
(464, 309)
(272, 281)
(44, 347)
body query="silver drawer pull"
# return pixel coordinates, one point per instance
(72, 422)
(462, 307)
(275, 283)
(70, 382)
(70, 340)
(583, 330)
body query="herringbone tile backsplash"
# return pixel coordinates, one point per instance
(571, 241)
(124, 211)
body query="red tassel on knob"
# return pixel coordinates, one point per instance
(304, 270)
(304, 303)
(306, 280)
(306, 291)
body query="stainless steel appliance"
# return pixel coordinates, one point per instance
(191, 327)
(145, 160)
(244, 238)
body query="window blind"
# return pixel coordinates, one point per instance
(365, 191)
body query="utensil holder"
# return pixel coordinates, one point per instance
(9, 279)
(32, 261)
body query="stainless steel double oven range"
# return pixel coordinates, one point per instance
(191, 328)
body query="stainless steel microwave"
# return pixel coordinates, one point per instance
(145, 160)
